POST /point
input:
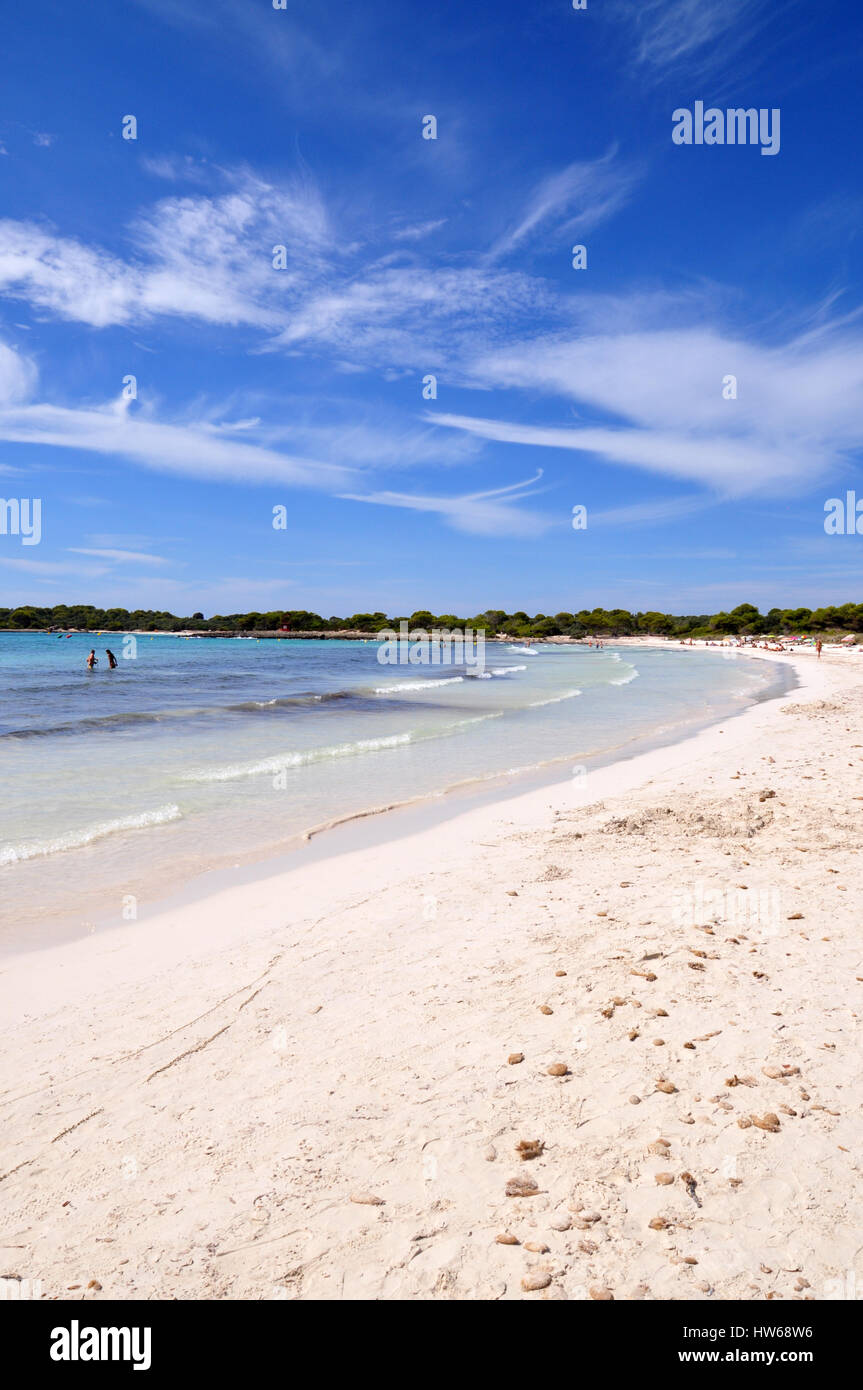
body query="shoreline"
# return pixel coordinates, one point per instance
(373, 825)
(215, 1087)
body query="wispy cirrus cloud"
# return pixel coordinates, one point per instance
(652, 397)
(138, 557)
(694, 34)
(576, 198)
(478, 513)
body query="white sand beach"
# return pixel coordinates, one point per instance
(307, 1087)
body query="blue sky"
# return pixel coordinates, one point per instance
(302, 386)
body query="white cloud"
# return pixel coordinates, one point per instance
(120, 556)
(577, 198)
(478, 513)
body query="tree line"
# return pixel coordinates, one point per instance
(743, 621)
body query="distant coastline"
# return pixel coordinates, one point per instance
(743, 621)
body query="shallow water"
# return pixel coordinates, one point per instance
(199, 752)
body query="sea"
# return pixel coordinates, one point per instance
(119, 785)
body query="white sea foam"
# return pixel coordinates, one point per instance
(415, 685)
(232, 771)
(624, 680)
(555, 700)
(506, 670)
(77, 839)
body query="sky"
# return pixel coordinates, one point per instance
(299, 378)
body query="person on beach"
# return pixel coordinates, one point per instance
(92, 659)
(818, 646)
(112, 660)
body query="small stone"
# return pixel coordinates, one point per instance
(770, 1122)
(558, 1069)
(511, 893)
(658, 1042)
(514, 1058)
(490, 1154)
(635, 1100)
(94, 1284)
(560, 974)
(536, 1247)
(601, 1295)
(531, 1282)
(506, 1239)
(366, 1199)
(544, 1009)
(588, 1247)
(664, 1179)
(777, 1073)
(560, 1223)
(658, 1223)
(659, 1146)
(667, 1087)
(633, 1034)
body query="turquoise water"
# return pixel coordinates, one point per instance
(194, 753)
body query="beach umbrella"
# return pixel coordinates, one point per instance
(847, 640)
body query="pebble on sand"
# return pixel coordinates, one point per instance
(560, 1223)
(514, 1058)
(770, 1122)
(558, 1069)
(536, 1247)
(544, 1009)
(507, 1239)
(602, 1295)
(366, 1199)
(531, 1282)
(667, 1087)
(664, 1179)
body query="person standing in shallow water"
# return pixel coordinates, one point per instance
(92, 659)
(112, 660)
